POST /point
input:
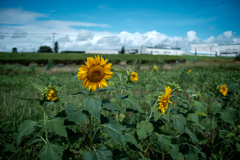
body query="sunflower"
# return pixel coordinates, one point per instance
(189, 71)
(165, 98)
(155, 68)
(95, 73)
(134, 76)
(52, 95)
(223, 89)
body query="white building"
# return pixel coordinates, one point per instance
(154, 50)
(100, 52)
(215, 49)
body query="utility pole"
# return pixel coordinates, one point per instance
(53, 38)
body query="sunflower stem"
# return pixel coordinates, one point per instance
(152, 110)
(45, 120)
(90, 130)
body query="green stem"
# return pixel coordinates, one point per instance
(162, 155)
(90, 130)
(152, 110)
(45, 120)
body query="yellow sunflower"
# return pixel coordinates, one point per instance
(134, 76)
(52, 95)
(165, 98)
(155, 68)
(95, 73)
(223, 89)
(189, 71)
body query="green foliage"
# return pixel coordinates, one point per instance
(144, 128)
(45, 49)
(114, 129)
(14, 50)
(132, 104)
(75, 114)
(165, 141)
(103, 153)
(127, 123)
(56, 47)
(51, 152)
(179, 122)
(92, 103)
(25, 129)
(122, 51)
(56, 126)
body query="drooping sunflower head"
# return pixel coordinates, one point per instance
(95, 73)
(164, 100)
(134, 76)
(189, 71)
(50, 93)
(223, 89)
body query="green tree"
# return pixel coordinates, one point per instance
(14, 50)
(44, 49)
(122, 51)
(56, 47)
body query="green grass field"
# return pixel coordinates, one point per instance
(200, 123)
(74, 56)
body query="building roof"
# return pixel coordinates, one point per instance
(227, 44)
(163, 48)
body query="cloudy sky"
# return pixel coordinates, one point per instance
(111, 24)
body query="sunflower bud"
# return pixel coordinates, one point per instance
(50, 94)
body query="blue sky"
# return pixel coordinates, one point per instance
(204, 21)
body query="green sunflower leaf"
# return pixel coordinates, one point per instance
(75, 114)
(111, 106)
(38, 86)
(51, 152)
(25, 129)
(132, 104)
(102, 153)
(165, 141)
(144, 128)
(56, 126)
(179, 122)
(228, 115)
(113, 129)
(92, 103)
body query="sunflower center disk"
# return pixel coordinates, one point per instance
(95, 73)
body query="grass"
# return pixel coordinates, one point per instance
(15, 83)
(121, 57)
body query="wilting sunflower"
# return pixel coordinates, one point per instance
(189, 71)
(134, 76)
(95, 73)
(223, 89)
(165, 98)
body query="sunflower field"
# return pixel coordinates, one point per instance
(99, 111)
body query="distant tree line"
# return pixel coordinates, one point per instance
(42, 49)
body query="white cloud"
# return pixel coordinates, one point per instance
(36, 33)
(64, 39)
(84, 35)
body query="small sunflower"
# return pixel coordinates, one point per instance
(50, 93)
(155, 68)
(189, 71)
(134, 76)
(223, 89)
(165, 98)
(95, 73)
